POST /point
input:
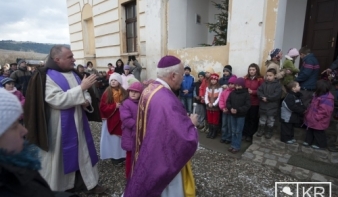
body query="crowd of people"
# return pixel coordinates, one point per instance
(150, 126)
(241, 107)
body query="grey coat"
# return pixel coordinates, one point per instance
(272, 90)
(136, 70)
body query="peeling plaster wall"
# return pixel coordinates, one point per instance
(200, 58)
(245, 34)
(270, 12)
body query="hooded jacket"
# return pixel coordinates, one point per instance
(239, 99)
(128, 114)
(272, 90)
(292, 108)
(187, 84)
(318, 115)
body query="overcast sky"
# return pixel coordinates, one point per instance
(42, 21)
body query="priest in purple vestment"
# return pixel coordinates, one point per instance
(166, 138)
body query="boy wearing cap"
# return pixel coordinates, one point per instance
(187, 89)
(227, 73)
(238, 104)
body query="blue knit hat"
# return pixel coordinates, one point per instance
(6, 80)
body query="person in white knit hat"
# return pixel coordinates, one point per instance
(111, 132)
(19, 162)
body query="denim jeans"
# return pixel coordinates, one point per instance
(226, 127)
(237, 124)
(187, 102)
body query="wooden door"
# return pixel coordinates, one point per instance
(320, 31)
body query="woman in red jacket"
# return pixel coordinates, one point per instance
(252, 81)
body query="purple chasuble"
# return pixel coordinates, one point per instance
(69, 136)
(166, 140)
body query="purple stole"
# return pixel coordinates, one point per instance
(69, 136)
(141, 120)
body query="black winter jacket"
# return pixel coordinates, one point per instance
(272, 90)
(239, 99)
(292, 108)
(16, 181)
(197, 91)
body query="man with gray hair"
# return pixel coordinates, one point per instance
(58, 106)
(166, 138)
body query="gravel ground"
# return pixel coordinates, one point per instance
(216, 175)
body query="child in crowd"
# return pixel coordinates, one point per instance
(9, 85)
(289, 64)
(269, 94)
(128, 114)
(110, 144)
(292, 111)
(318, 116)
(226, 125)
(200, 108)
(238, 104)
(126, 76)
(187, 89)
(227, 73)
(212, 95)
(203, 87)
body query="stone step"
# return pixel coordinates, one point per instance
(275, 144)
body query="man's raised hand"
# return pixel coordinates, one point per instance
(87, 82)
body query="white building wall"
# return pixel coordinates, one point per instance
(177, 24)
(294, 25)
(245, 34)
(156, 36)
(197, 33)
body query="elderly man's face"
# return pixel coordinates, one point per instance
(65, 60)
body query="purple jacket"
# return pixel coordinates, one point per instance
(318, 115)
(128, 114)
